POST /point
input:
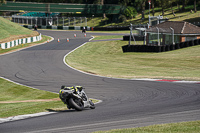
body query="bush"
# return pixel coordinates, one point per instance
(122, 18)
(130, 12)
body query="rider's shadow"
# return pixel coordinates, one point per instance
(60, 110)
(63, 110)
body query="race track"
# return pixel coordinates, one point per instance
(126, 103)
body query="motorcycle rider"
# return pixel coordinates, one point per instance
(79, 90)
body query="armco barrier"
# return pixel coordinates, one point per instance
(20, 41)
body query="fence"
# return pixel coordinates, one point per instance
(50, 21)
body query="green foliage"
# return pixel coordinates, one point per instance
(130, 12)
(122, 18)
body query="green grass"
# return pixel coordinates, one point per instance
(120, 32)
(13, 92)
(107, 59)
(183, 127)
(14, 109)
(17, 93)
(8, 29)
(107, 37)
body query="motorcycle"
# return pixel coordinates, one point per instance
(75, 97)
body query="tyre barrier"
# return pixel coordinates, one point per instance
(137, 38)
(181, 45)
(186, 44)
(161, 48)
(196, 42)
(167, 48)
(177, 46)
(143, 48)
(191, 43)
(172, 46)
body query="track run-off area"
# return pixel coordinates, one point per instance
(126, 103)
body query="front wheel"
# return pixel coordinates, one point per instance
(92, 106)
(76, 104)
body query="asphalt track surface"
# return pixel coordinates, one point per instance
(126, 103)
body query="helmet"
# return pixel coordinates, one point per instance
(80, 88)
(62, 87)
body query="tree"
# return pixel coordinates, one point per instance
(183, 7)
(152, 5)
(2, 1)
(125, 2)
(165, 4)
(130, 12)
(195, 8)
(141, 3)
(102, 3)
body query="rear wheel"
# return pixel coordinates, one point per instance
(76, 104)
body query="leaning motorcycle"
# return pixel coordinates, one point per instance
(75, 98)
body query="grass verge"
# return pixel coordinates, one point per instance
(183, 127)
(107, 37)
(22, 100)
(14, 92)
(107, 59)
(10, 31)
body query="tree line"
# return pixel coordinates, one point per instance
(139, 5)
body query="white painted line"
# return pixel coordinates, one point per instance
(131, 121)
(146, 79)
(142, 79)
(191, 82)
(20, 117)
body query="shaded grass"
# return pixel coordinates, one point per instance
(183, 127)
(107, 59)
